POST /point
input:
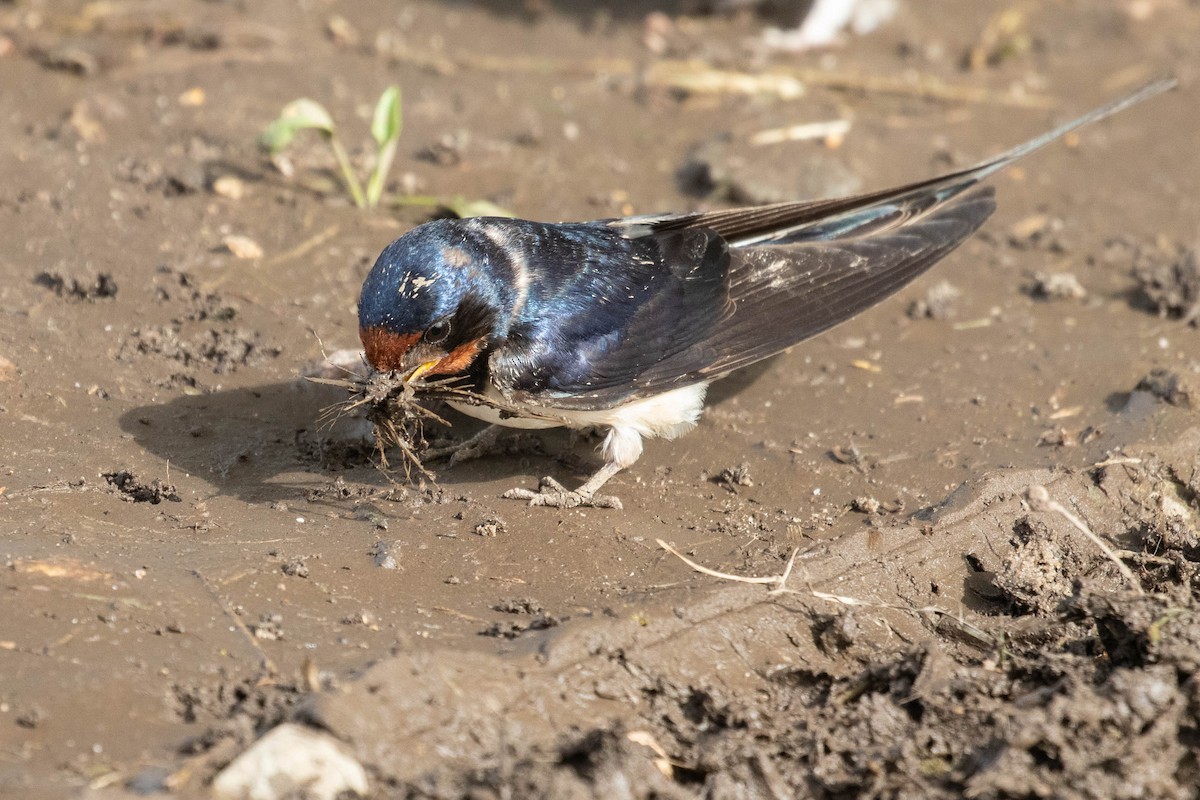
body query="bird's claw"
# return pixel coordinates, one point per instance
(552, 494)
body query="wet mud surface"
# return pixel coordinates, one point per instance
(987, 487)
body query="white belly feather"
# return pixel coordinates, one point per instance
(665, 415)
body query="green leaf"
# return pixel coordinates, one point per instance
(387, 121)
(385, 127)
(296, 116)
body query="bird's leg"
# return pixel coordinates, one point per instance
(476, 446)
(486, 442)
(553, 494)
(622, 447)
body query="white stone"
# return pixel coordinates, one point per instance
(288, 759)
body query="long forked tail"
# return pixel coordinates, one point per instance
(993, 165)
(786, 223)
(894, 206)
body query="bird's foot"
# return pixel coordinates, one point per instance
(552, 494)
(483, 444)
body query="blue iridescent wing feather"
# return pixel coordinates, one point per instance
(620, 311)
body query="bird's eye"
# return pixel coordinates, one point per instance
(437, 332)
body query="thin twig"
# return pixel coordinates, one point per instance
(780, 587)
(787, 572)
(831, 131)
(1109, 462)
(775, 579)
(305, 247)
(1039, 499)
(696, 76)
(1149, 558)
(924, 86)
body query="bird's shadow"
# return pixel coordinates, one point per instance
(276, 441)
(260, 443)
(585, 10)
(594, 15)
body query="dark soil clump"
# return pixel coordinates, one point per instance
(136, 490)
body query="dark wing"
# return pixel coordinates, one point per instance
(783, 294)
(710, 310)
(617, 320)
(779, 295)
(827, 218)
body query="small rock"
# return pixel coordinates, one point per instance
(292, 761)
(229, 186)
(520, 605)
(87, 120)
(363, 617)
(341, 31)
(865, 505)
(849, 455)
(68, 58)
(368, 512)
(657, 28)
(511, 629)
(31, 717)
(729, 168)
(733, 477)
(1056, 286)
(71, 287)
(448, 150)
(1172, 288)
(130, 487)
(1032, 226)
(938, 303)
(296, 568)
(838, 632)
(491, 527)
(193, 97)
(242, 246)
(385, 554)
(1175, 388)
(269, 627)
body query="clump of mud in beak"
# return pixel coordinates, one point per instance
(398, 407)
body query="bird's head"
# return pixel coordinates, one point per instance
(432, 302)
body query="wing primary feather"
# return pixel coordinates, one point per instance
(782, 295)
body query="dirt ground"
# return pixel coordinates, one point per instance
(192, 557)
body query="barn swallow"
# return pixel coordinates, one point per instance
(621, 324)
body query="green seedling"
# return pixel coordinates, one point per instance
(386, 124)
